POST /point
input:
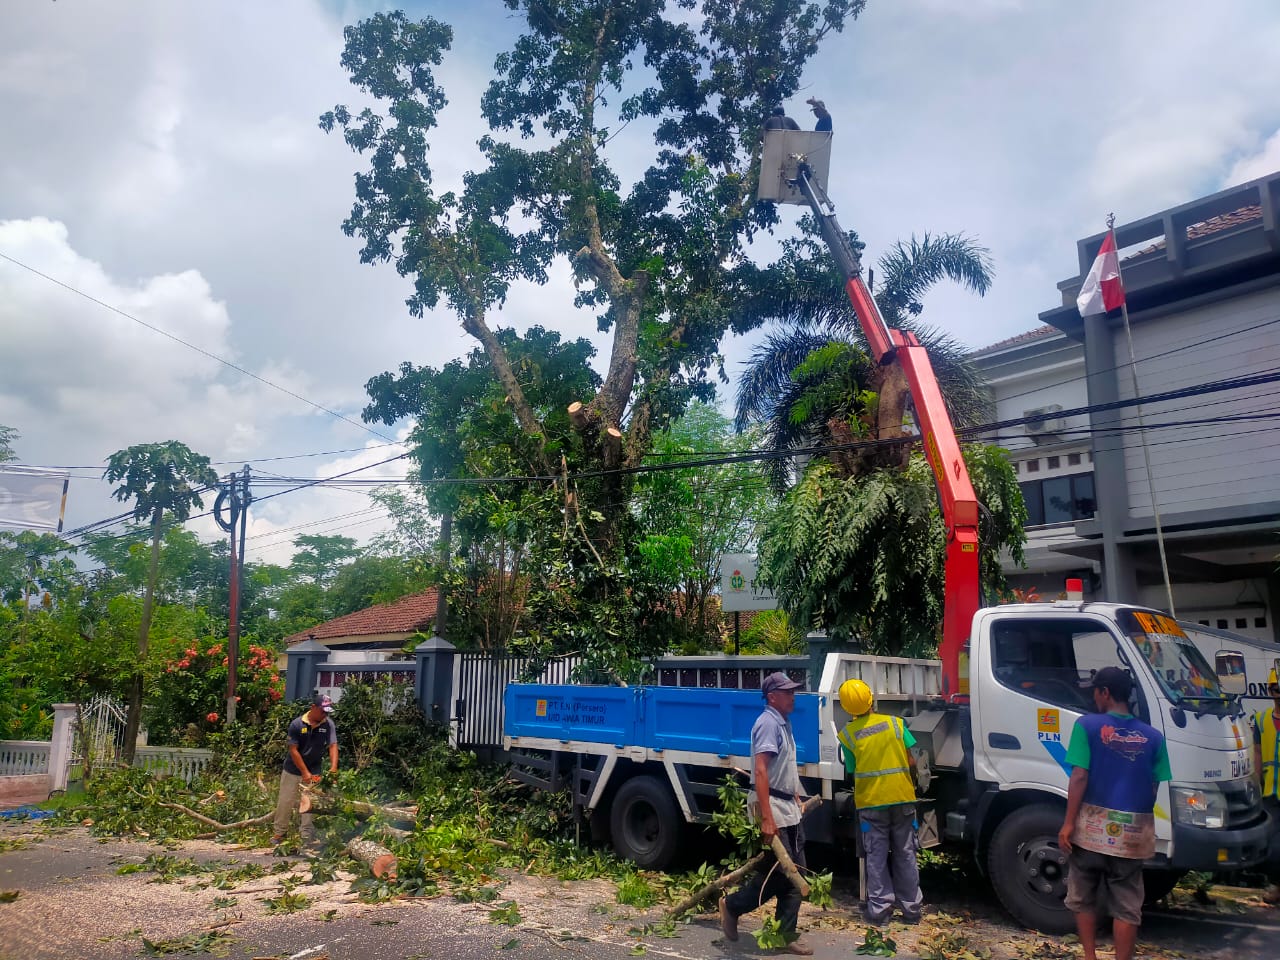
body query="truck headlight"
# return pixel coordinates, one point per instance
(1201, 806)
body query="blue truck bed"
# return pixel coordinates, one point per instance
(694, 719)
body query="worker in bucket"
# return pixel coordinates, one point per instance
(775, 801)
(1266, 757)
(877, 755)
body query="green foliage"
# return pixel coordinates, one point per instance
(772, 632)
(771, 936)
(731, 818)
(635, 890)
(187, 696)
(865, 557)
(214, 942)
(507, 914)
(820, 890)
(876, 944)
(7, 436)
(160, 478)
(287, 902)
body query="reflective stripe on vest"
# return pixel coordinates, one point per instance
(881, 769)
(1270, 753)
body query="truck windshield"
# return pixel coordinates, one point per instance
(1178, 665)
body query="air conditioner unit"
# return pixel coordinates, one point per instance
(1043, 424)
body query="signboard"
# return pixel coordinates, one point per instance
(32, 499)
(738, 587)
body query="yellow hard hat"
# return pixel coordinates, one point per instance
(1271, 680)
(855, 697)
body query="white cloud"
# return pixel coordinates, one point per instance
(1265, 161)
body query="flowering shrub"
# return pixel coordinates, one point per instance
(187, 696)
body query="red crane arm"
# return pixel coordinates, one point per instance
(959, 502)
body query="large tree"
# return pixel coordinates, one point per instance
(652, 257)
(7, 436)
(161, 479)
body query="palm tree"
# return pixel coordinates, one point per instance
(159, 478)
(809, 382)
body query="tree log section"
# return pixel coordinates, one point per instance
(380, 861)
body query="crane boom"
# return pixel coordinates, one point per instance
(962, 593)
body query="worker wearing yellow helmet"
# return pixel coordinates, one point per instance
(877, 756)
(1266, 757)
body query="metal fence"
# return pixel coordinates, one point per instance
(185, 763)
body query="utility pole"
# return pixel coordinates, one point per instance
(234, 500)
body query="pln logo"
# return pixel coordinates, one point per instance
(737, 580)
(1049, 726)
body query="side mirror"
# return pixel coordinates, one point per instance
(1229, 666)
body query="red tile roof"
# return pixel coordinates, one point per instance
(414, 612)
(1205, 228)
(1037, 334)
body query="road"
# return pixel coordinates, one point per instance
(74, 903)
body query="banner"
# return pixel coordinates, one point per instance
(32, 499)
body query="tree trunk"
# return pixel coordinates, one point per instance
(133, 719)
(380, 861)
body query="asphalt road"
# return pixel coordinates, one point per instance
(74, 903)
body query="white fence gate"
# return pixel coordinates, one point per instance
(479, 680)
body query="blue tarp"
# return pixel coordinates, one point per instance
(31, 813)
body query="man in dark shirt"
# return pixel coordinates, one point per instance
(820, 111)
(780, 121)
(311, 737)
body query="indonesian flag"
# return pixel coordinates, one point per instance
(1102, 290)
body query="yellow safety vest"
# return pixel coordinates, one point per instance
(882, 772)
(1270, 753)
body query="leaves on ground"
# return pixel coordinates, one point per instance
(8, 896)
(215, 942)
(876, 944)
(508, 913)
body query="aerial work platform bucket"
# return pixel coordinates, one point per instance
(783, 151)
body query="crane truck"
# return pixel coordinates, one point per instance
(991, 716)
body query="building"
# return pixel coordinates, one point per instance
(1203, 288)
(374, 633)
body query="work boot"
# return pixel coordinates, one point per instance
(799, 948)
(728, 922)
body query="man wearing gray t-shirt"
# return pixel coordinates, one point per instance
(774, 801)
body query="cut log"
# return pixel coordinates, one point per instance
(578, 415)
(611, 441)
(788, 866)
(714, 887)
(380, 861)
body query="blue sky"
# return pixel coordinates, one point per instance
(165, 159)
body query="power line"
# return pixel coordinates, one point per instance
(192, 346)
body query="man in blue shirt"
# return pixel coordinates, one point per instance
(1118, 763)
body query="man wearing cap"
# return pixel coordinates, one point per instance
(1118, 763)
(877, 756)
(1266, 756)
(775, 802)
(778, 120)
(311, 736)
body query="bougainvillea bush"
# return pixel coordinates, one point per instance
(186, 699)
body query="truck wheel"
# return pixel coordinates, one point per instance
(1028, 870)
(645, 823)
(1158, 884)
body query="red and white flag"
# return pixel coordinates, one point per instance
(1102, 290)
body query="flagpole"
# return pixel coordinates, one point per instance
(1142, 430)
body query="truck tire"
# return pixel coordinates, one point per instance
(1158, 884)
(645, 823)
(1029, 871)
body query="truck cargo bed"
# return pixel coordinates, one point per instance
(692, 719)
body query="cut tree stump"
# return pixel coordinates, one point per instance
(380, 861)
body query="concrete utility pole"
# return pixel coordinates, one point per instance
(234, 499)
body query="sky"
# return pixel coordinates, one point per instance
(164, 159)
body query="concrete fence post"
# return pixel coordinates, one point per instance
(305, 660)
(433, 685)
(60, 745)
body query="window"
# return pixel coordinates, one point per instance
(1052, 659)
(1054, 463)
(1073, 459)
(1033, 466)
(1059, 499)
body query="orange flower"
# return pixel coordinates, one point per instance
(212, 717)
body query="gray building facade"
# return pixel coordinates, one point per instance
(1202, 282)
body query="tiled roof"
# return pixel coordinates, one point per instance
(1205, 228)
(414, 612)
(1037, 334)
